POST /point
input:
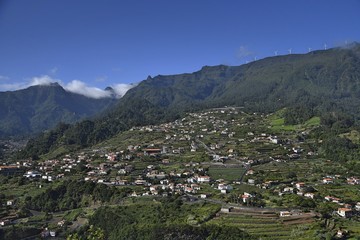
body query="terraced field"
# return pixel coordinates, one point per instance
(267, 225)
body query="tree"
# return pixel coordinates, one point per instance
(93, 233)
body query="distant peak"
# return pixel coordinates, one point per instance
(54, 84)
(50, 84)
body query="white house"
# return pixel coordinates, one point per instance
(328, 180)
(32, 174)
(203, 179)
(309, 195)
(288, 189)
(204, 195)
(226, 187)
(251, 181)
(357, 206)
(300, 185)
(332, 199)
(246, 197)
(344, 212)
(285, 214)
(353, 181)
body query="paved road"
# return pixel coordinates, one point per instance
(205, 146)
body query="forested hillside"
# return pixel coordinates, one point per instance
(42, 107)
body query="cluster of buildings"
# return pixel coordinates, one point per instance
(214, 132)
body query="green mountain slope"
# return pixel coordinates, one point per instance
(38, 108)
(273, 82)
(320, 81)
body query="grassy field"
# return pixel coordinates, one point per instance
(277, 123)
(314, 121)
(228, 174)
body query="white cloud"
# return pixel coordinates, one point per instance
(80, 87)
(121, 88)
(7, 85)
(11, 86)
(43, 80)
(74, 86)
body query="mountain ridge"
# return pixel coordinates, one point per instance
(316, 82)
(41, 107)
(231, 78)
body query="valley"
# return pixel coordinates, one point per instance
(223, 167)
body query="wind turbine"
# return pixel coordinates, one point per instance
(290, 50)
(325, 46)
(309, 49)
(276, 52)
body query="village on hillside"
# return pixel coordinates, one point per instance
(249, 164)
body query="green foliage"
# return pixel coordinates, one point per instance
(337, 120)
(44, 143)
(38, 108)
(68, 195)
(92, 233)
(340, 149)
(15, 232)
(165, 220)
(297, 115)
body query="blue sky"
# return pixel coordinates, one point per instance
(89, 44)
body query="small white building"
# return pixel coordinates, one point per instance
(226, 209)
(309, 195)
(285, 214)
(32, 174)
(203, 179)
(4, 222)
(251, 181)
(344, 212)
(357, 206)
(300, 185)
(226, 187)
(328, 180)
(203, 196)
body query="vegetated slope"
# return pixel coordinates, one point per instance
(320, 81)
(41, 107)
(272, 83)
